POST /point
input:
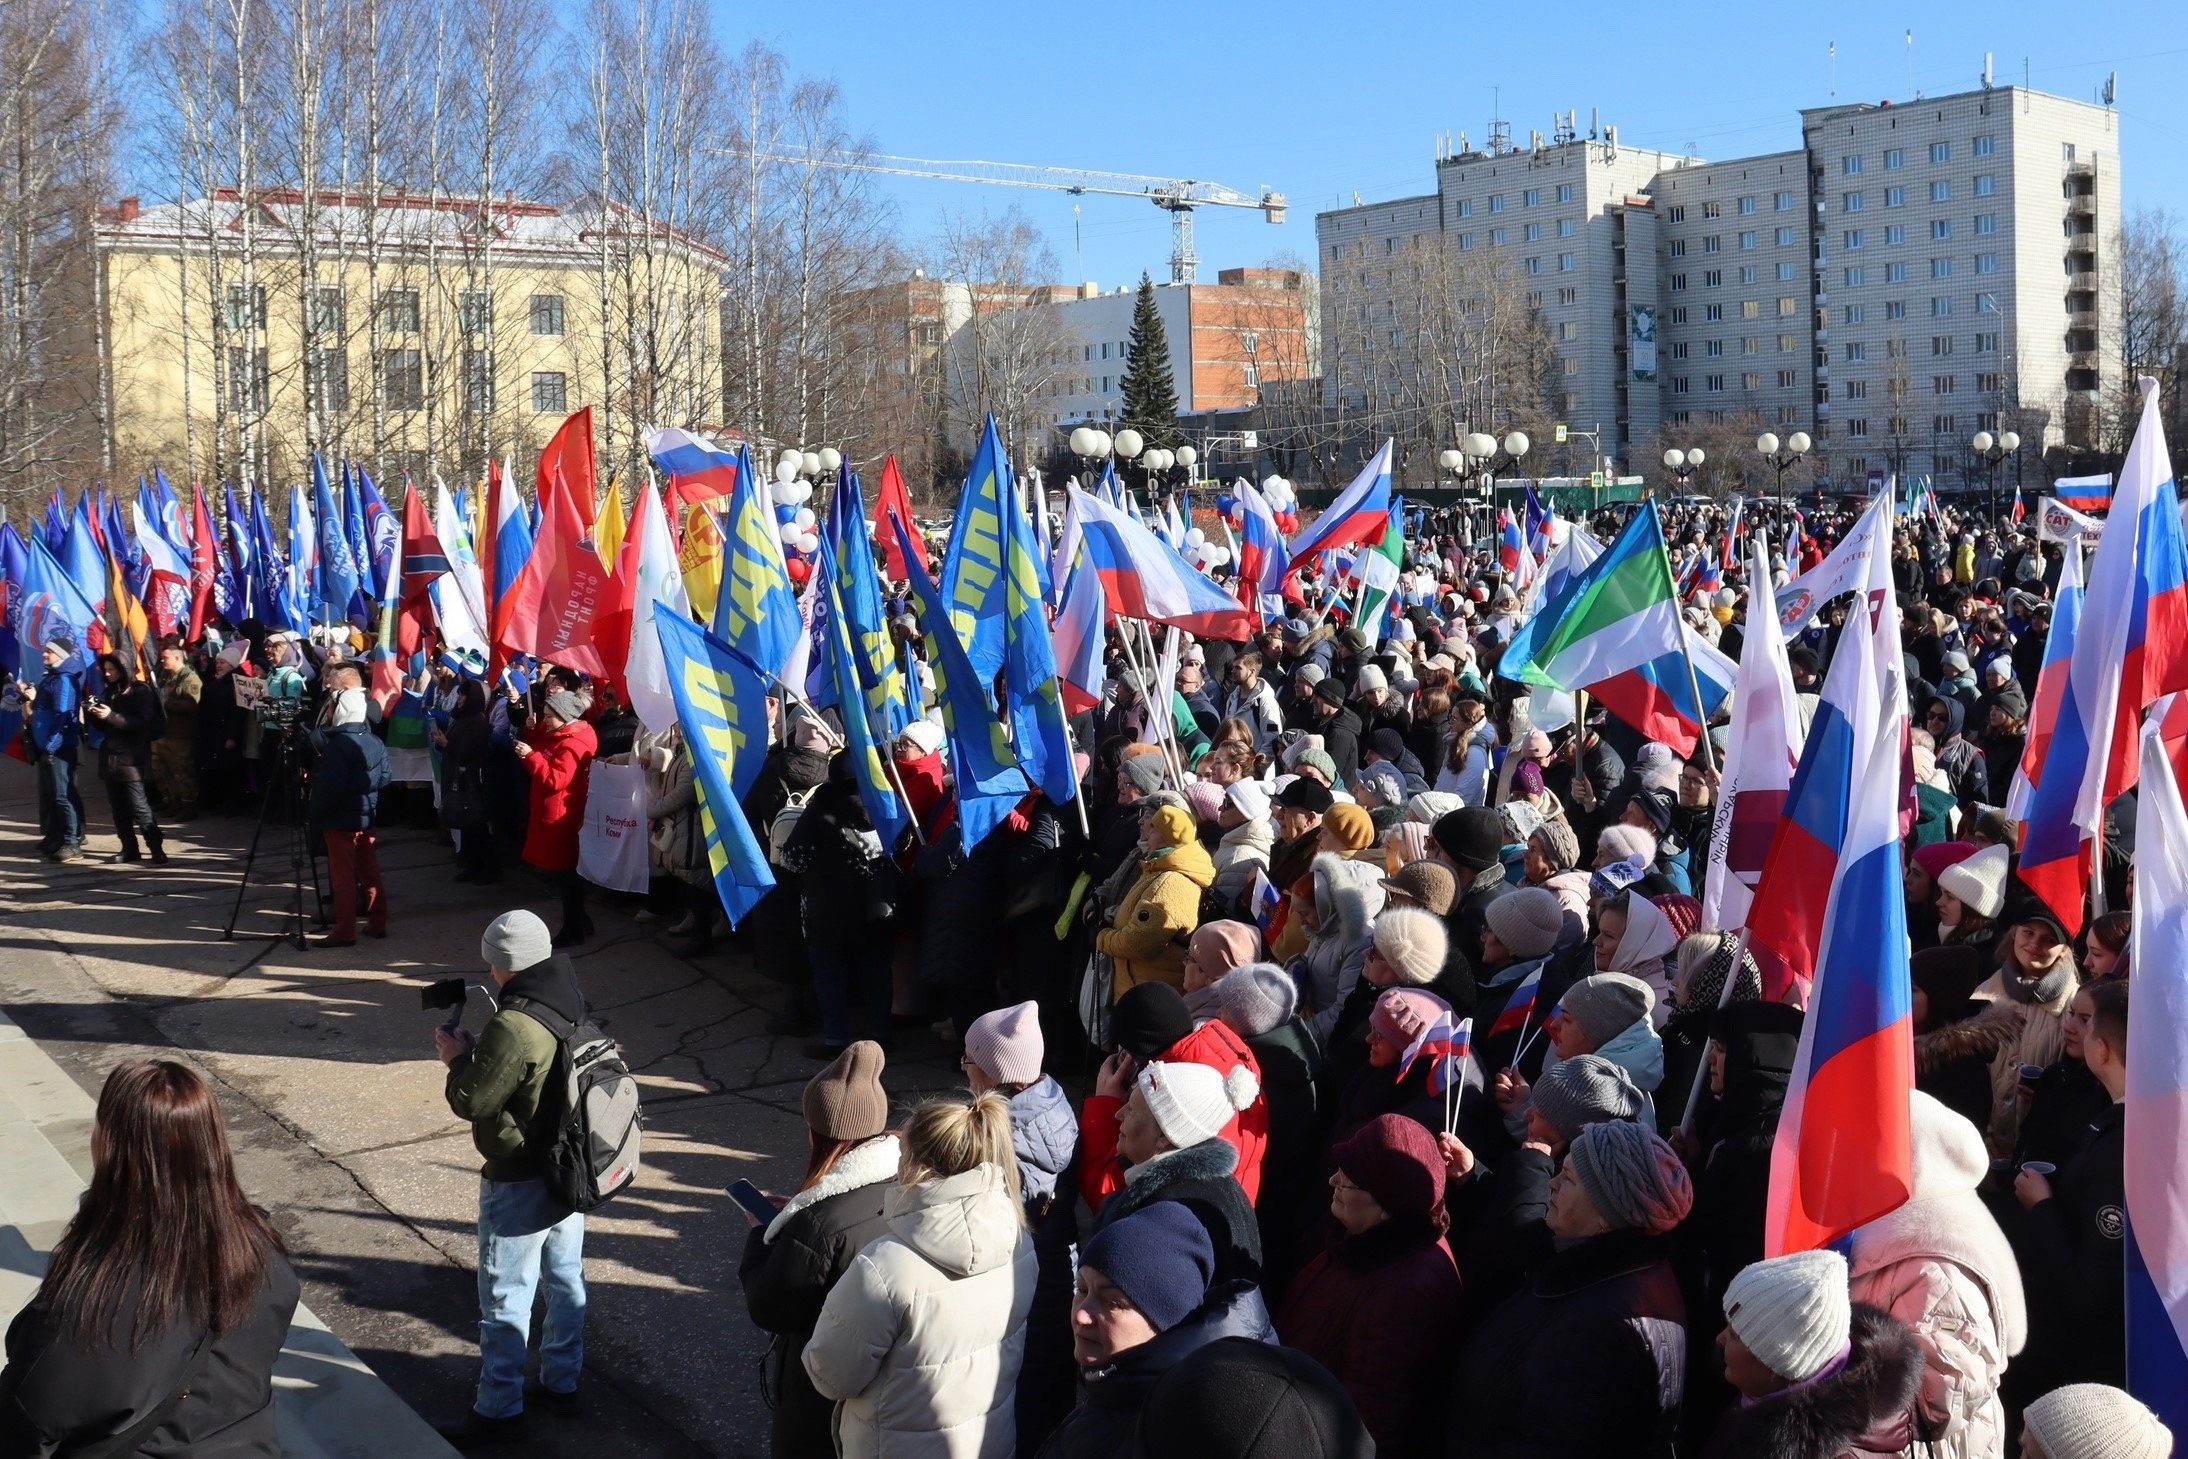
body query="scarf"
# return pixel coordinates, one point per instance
(2045, 989)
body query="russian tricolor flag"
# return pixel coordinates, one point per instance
(1077, 633)
(1841, 1156)
(1510, 545)
(1728, 546)
(1357, 517)
(1658, 698)
(696, 469)
(2085, 493)
(2043, 716)
(1144, 577)
(1520, 1007)
(1540, 520)
(2157, 1096)
(1263, 560)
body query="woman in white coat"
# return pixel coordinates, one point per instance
(1941, 1266)
(921, 1341)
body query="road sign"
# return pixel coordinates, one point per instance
(1559, 435)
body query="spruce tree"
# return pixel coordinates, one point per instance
(1150, 394)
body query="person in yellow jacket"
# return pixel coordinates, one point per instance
(1147, 936)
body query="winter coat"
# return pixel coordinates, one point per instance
(500, 1086)
(560, 766)
(789, 1267)
(2010, 1034)
(1348, 896)
(1147, 935)
(126, 734)
(2071, 1253)
(1588, 1362)
(1201, 1178)
(1214, 1045)
(1470, 909)
(1043, 1135)
(1860, 1409)
(921, 1340)
(1341, 738)
(1257, 706)
(675, 843)
(1110, 1398)
(1940, 1265)
(845, 883)
(1291, 1065)
(59, 1396)
(1241, 852)
(348, 778)
(1381, 1311)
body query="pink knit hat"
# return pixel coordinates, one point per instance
(1206, 799)
(1401, 1015)
(1006, 1044)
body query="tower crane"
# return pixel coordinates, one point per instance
(1176, 196)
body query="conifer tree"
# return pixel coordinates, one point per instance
(1150, 393)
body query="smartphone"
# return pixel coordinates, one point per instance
(746, 1194)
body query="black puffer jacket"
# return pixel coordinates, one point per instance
(789, 1268)
(58, 1397)
(1589, 1360)
(1866, 1407)
(1202, 1178)
(1108, 1412)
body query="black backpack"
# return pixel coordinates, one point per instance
(594, 1154)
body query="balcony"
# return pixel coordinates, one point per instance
(2081, 304)
(2082, 205)
(2081, 169)
(2083, 282)
(2081, 360)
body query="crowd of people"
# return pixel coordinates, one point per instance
(1198, 1194)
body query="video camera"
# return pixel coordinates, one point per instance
(446, 993)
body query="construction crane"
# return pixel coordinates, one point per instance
(1176, 196)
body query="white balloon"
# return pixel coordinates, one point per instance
(809, 543)
(804, 519)
(1550, 710)
(790, 533)
(786, 469)
(784, 493)
(1219, 556)
(804, 490)
(1195, 537)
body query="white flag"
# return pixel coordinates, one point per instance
(660, 588)
(1762, 750)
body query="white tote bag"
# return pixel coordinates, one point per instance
(611, 846)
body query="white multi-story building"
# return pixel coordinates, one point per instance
(1912, 274)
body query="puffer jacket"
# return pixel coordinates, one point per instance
(1043, 1134)
(2009, 1034)
(1241, 852)
(1213, 1045)
(1348, 896)
(1110, 1398)
(1940, 1265)
(921, 1341)
(1146, 937)
(789, 1267)
(1861, 1409)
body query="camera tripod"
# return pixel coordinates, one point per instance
(284, 804)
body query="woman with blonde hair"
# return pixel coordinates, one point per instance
(921, 1341)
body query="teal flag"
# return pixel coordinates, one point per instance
(721, 703)
(972, 564)
(989, 782)
(866, 735)
(757, 611)
(1032, 698)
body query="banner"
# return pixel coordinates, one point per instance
(2058, 522)
(611, 845)
(1844, 571)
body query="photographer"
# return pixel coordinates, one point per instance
(129, 718)
(499, 1082)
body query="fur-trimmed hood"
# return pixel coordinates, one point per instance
(1983, 1035)
(1870, 1398)
(872, 1163)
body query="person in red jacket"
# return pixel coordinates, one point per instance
(1151, 1025)
(558, 755)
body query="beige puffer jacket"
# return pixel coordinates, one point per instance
(922, 1339)
(2009, 1034)
(1941, 1265)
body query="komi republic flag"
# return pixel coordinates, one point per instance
(1616, 614)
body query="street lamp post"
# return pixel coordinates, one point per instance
(1782, 461)
(1092, 446)
(1479, 450)
(1683, 465)
(1990, 450)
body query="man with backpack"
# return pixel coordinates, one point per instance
(539, 1085)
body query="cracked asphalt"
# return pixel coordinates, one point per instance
(333, 1096)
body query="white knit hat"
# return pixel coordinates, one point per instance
(1192, 1103)
(1251, 797)
(1369, 677)
(1980, 880)
(1413, 941)
(1793, 1312)
(2093, 1421)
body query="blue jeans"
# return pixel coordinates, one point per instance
(60, 803)
(524, 1233)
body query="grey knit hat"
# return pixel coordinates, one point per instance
(2093, 1421)
(515, 941)
(1529, 921)
(1634, 1178)
(1607, 1004)
(1144, 771)
(1256, 998)
(1587, 1091)
(1559, 844)
(565, 706)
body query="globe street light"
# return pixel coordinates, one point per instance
(1990, 450)
(1683, 465)
(1782, 461)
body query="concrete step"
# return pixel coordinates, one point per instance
(327, 1403)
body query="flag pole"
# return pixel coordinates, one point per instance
(1078, 785)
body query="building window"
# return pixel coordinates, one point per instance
(1749, 273)
(1747, 205)
(1986, 384)
(1785, 237)
(1895, 197)
(478, 381)
(1941, 191)
(1985, 146)
(1853, 239)
(1394, 341)
(1253, 375)
(1856, 276)
(1850, 203)
(1532, 198)
(1986, 224)
(1566, 227)
(1534, 265)
(1678, 283)
(1713, 210)
(326, 310)
(402, 377)
(547, 314)
(1567, 329)
(1390, 245)
(1894, 160)
(1678, 248)
(1986, 303)
(249, 381)
(1564, 192)
(1713, 313)
(1715, 384)
(399, 311)
(1856, 350)
(551, 392)
(1944, 384)
(1678, 384)
(1679, 213)
(1895, 233)
(1566, 263)
(1788, 308)
(1895, 273)
(1752, 380)
(1850, 165)
(1782, 202)
(1986, 263)
(1857, 427)
(1986, 342)
(1679, 349)
(1572, 367)
(1532, 233)
(1747, 240)
(242, 315)
(1466, 242)
(1986, 185)
(1679, 314)
(1466, 207)
(1857, 389)
(1496, 202)
(1714, 349)
(474, 312)
(1713, 278)
(1940, 268)
(326, 378)
(1941, 151)
(1940, 344)
(1856, 313)
(1895, 309)
(2066, 151)
(1785, 273)
(1941, 306)
(1749, 345)
(1940, 228)
(1714, 243)
(1496, 238)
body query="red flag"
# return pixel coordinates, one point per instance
(612, 624)
(423, 560)
(893, 499)
(202, 564)
(551, 607)
(571, 454)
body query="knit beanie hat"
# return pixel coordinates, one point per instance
(1401, 1014)
(1634, 1178)
(1241, 1398)
(1256, 998)
(1683, 912)
(1414, 942)
(1206, 799)
(1224, 945)
(1576, 1093)
(1330, 692)
(516, 941)
(1160, 1256)
(1472, 836)
(1431, 806)
(1315, 757)
(1192, 1103)
(1407, 841)
(1980, 881)
(562, 704)
(1528, 920)
(1520, 820)
(1607, 1004)
(1558, 844)
(1429, 883)
(1625, 842)
(1251, 797)
(925, 736)
(1938, 855)
(2094, 1421)
(1007, 1044)
(845, 1101)
(1144, 771)
(1350, 825)
(1656, 804)
(1793, 1311)
(1370, 678)
(1394, 1159)
(1148, 1019)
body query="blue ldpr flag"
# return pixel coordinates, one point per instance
(360, 554)
(85, 564)
(989, 782)
(14, 563)
(50, 601)
(866, 748)
(232, 565)
(383, 539)
(721, 703)
(1031, 695)
(888, 707)
(972, 564)
(300, 576)
(756, 612)
(335, 582)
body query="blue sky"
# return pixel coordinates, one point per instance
(1321, 100)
